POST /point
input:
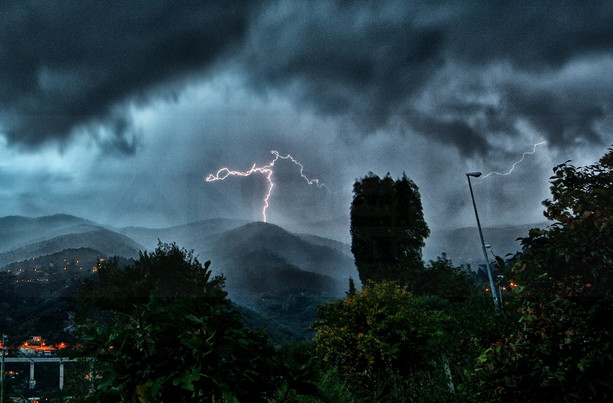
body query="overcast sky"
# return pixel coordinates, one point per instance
(116, 111)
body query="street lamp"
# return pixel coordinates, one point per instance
(487, 261)
(2, 368)
(499, 279)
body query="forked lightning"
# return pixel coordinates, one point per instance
(515, 164)
(267, 171)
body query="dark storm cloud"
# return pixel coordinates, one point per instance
(345, 58)
(564, 118)
(72, 64)
(457, 132)
(426, 66)
(372, 62)
(530, 34)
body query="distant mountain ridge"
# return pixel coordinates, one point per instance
(17, 231)
(107, 242)
(233, 245)
(270, 271)
(463, 245)
(296, 250)
(189, 236)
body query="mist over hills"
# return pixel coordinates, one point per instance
(232, 243)
(277, 276)
(228, 242)
(315, 257)
(17, 231)
(342, 247)
(105, 242)
(336, 229)
(268, 272)
(189, 236)
(463, 246)
(278, 290)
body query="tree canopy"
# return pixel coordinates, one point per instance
(563, 350)
(164, 330)
(378, 334)
(387, 228)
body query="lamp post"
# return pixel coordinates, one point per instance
(487, 261)
(2, 369)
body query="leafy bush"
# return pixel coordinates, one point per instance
(165, 331)
(563, 350)
(378, 334)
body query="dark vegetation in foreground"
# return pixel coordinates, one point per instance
(161, 328)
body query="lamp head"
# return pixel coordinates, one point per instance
(474, 174)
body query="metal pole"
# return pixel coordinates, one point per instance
(32, 380)
(2, 369)
(487, 262)
(500, 283)
(61, 374)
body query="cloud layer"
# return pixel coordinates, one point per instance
(76, 65)
(169, 91)
(378, 63)
(71, 65)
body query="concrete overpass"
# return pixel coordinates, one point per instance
(34, 360)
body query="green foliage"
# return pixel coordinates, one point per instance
(387, 228)
(564, 348)
(441, 278)
(413, 343)
(300, 375)
(352, 288)
(285, 316)
(165, 331)
(376, 334)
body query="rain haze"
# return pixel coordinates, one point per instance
(117, 111)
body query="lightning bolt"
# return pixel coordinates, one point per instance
(267, 171)
(515, 164)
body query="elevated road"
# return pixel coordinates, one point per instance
(40, 360)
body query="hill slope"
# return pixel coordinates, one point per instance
(295, 250)
(107, 242)
(462, 245)
(16, 231)
(189, 236)
(274, 273)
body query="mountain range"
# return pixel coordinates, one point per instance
(463, 245)
(277, 276)
(232, 244)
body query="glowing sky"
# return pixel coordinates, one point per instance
(116, 111)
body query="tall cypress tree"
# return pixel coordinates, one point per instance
(387, 228)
